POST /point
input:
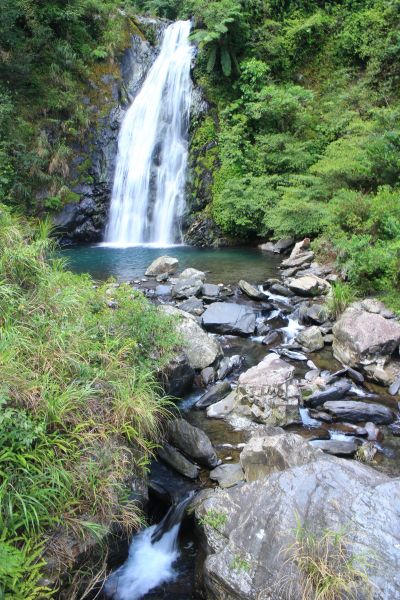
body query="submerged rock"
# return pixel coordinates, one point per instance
(191, 273)
(226, 317)
(161, 265)
(192, 441)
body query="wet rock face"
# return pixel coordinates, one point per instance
(201, 231)
(85, 219)
(248, 558)
(365, 337)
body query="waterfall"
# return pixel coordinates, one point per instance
(152, 554)
(148, 196)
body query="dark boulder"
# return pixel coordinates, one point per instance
(193, 442)
(178, 377)
(216, 393)
(226, 317)
(333, 392)
(355, 411)
(177, 461)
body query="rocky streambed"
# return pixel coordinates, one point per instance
(288, 420)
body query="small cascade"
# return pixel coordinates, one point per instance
(148, 196)
(151, 559)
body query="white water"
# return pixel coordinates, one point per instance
(151, 559)
(148, 566)
(291, 330)
(149, 183)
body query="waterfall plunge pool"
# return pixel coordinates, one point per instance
(222, 265)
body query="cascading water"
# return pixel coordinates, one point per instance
(151, 558)
(149, 183)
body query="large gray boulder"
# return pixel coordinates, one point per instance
(192, 441)
(268, 393)
(262, 456)
(161, 265)
(364, 337)
(186, 288)
(311, 338)
(191, 273)
(226, 317)
(309, 285)
(249, 555)
(202, 350)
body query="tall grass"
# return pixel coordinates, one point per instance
(341, 296)
(80, 408)
(328, 566)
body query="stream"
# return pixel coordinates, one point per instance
(161, 564)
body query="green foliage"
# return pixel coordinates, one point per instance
(341, 295)
(218, 22)
(214, 519)
(80, 407)
(308, 133)
(240, 564)
(49, 50)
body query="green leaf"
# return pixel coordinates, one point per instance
(226, 62)
(212, 55)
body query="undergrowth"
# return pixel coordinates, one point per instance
(80, 406)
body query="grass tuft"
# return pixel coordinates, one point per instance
(328, 566)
